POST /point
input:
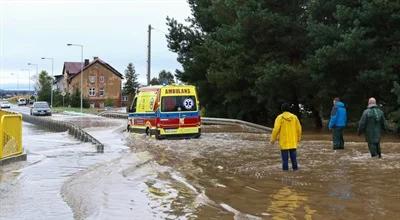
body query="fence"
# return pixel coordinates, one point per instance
(10, 136)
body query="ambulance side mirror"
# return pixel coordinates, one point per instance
(132, 107)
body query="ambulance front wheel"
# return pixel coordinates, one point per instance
(197, 135)
(158, 136)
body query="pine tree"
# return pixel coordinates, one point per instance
(395, 115)
(165, 77)
(248, 52)
(131, 84)
(354, 51)
(154, 81)
(43, 87)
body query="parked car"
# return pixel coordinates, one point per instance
(5, 104)
(40, 108)
(21, 101)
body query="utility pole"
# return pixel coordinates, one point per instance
(37, 73)
(81, 46)
(149, 55)
(52, 78)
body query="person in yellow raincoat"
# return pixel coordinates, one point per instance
(287, 129)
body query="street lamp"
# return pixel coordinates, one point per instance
(32, 64)
(29, 74)
(81, 46)
(52, 78)
(12, 74)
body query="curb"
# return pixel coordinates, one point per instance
(21, 157)
(61, 126)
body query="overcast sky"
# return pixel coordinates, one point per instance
(113, 30)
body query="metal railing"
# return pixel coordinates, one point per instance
(204, 120)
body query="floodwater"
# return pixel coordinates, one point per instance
(240, 175)
(30, 189)
(66, 179)
(228, 173)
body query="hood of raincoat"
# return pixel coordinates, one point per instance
(288, 129)
(287, 116)
(339, 104)
(374, 113)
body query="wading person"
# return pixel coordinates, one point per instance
(372, 123)
(337, 123)
(287, 129)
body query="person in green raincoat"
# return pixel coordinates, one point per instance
(372, 123)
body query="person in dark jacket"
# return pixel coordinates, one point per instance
(337, 123)
(372, 123)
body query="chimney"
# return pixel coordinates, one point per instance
(86, 62)
(95, 58)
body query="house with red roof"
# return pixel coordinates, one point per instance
(101, 82)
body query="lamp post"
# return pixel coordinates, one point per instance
(32, 64)
(12, 74)
(52, 78)
(29, 74)
(81, 46)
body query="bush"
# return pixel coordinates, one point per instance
(75, 100)
(109, 103)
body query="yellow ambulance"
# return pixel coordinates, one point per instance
(166, 111)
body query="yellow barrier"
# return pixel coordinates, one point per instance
(10, 134)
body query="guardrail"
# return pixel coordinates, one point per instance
(61, 126)
(204, 120)
(11, 137)
(226, 121)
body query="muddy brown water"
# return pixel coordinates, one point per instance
(241, 176)
(231, 172)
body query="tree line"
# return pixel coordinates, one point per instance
(248, 57)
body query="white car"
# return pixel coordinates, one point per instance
(5, 104)
(21, 101)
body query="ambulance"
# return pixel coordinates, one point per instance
(165, 111)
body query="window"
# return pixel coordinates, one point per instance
(124, 98)
(92, 91)
(40, 105)
(101, 92)
(101, 79)
(92, 79)
(178, 103)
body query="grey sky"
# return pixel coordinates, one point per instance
(115, 31)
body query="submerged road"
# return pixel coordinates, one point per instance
(32, 189)
(67, 179)
(222, 175)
